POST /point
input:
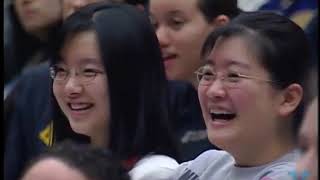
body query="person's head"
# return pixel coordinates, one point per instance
(71, 161)
(37, 17)
(70, 6)
(251, 86)
(182, 26)
(308, 142)
(109, 81)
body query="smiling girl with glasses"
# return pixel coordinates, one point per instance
(109, 86)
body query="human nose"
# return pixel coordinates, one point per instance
(163, 37)
(73, 86)
(216, 89)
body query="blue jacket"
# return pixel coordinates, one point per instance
(27, 116)
(29, 124)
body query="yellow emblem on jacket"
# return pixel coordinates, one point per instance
(46, 135)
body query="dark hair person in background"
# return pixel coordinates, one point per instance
(181, 28)
(67, 161)
(29, 27)
(251, 94)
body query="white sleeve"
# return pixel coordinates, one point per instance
(155, 167)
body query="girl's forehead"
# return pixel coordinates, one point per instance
(82, 61)
(232, 51)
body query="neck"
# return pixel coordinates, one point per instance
(42, 35)
(261, 155)
(99, 140)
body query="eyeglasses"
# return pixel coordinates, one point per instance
(85, 75)
(206, 76)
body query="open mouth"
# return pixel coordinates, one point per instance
(169, 57)
(80, 106)
(222, 116)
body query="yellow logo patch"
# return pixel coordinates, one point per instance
(46, 135)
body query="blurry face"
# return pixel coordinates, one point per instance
(238, 112)
(70, 6)
(38, 15)
(181, 29)
(83, 96)
(308, 141)
(51, 169)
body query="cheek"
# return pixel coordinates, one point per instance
(101, 95)
(241, 99)
(202, 97)
(247, 99)
(58, 93)
(53, 9)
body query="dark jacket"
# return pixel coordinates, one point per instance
(188, 122)
(26, 116)
(28, 120)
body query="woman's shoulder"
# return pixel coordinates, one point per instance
(156, 167)
(211, 160)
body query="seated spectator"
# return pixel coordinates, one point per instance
(115, 97)
(181, 27)
(27, 109)
(68, 161)
(308, 142)
(29, 27)
(251, 95)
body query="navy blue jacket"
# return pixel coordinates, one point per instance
(27, 116)
(29, 128)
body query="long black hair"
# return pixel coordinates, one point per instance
(137, 84)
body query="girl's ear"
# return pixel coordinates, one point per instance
(291, 98)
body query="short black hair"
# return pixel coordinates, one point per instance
(92, 162)
(213, 8)
(137, 85)
(279, 43)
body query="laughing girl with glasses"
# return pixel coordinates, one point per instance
(251, 95)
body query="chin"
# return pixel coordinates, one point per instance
(221, 140)
(80, 130)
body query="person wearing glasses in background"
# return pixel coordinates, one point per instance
(251, 94)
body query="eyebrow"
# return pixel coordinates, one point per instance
(229, 63)
(90, 61)
(176, 12)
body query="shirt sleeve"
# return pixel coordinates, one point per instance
(155, 167)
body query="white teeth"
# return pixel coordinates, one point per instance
(78, 106)
(220, 112)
